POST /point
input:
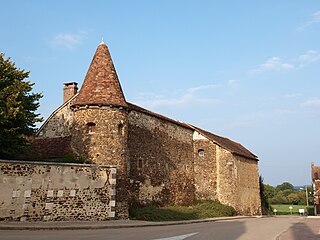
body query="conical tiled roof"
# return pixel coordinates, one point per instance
(101, 85)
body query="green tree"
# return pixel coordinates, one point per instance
(265, 205)
(285, 186)
(279, 198)
(287, 192)
(293, 198)
(17, 109)
(270, 191)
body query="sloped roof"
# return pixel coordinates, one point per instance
(233, 147)
(157, 115)
(101, 85)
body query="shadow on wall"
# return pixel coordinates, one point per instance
(58, 148)
(159, 168)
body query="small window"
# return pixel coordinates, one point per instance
(201, 153)
(90, 127)
(140, 163)
(120, 129)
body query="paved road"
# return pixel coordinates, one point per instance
(282, 228)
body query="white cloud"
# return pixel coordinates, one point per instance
(274, 117)
(273, 64)
(233, 83)
(315, 18)
(67, 40)
(292, 95)
(312, 102)
(188, 98)
(201, 87)
(185, 100)
(277, 64)
(308, 57)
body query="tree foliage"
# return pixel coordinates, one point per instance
(265, 205)
(286, 194)
(17, 109)
(285, 186)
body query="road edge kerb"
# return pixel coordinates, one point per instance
(91, 225)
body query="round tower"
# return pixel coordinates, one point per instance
(99, 132)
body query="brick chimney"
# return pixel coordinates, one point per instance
(69, 90)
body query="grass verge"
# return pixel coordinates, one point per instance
(200, 210)
(283, 209)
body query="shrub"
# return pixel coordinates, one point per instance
(200, 210)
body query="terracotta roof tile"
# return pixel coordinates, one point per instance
(101, 85)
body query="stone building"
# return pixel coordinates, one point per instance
(315, 175)
(158, 159)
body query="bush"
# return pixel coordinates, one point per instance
(310, 210)
(264, 192)
(200, 210)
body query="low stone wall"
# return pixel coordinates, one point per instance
(34, 191)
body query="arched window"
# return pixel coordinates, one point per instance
(90, 127)
(201, 153)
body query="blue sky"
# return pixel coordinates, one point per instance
(246, 70)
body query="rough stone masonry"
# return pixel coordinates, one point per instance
(33, 191)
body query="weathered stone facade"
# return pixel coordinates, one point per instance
(33, 191)
(59, 123)
(227, 177)
(248, 200)
(100, 135)
(238, 182)
(158, 159)
(161, 163)
(205, 169)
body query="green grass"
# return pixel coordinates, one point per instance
(200, 210)
(283, 209)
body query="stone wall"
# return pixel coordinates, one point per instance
(205, 169)
(58, 124)
(99, 135)
(33, 191)
(238, 182)
(161, 161)
(248, 202)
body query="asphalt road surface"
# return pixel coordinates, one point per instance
(280, 228)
